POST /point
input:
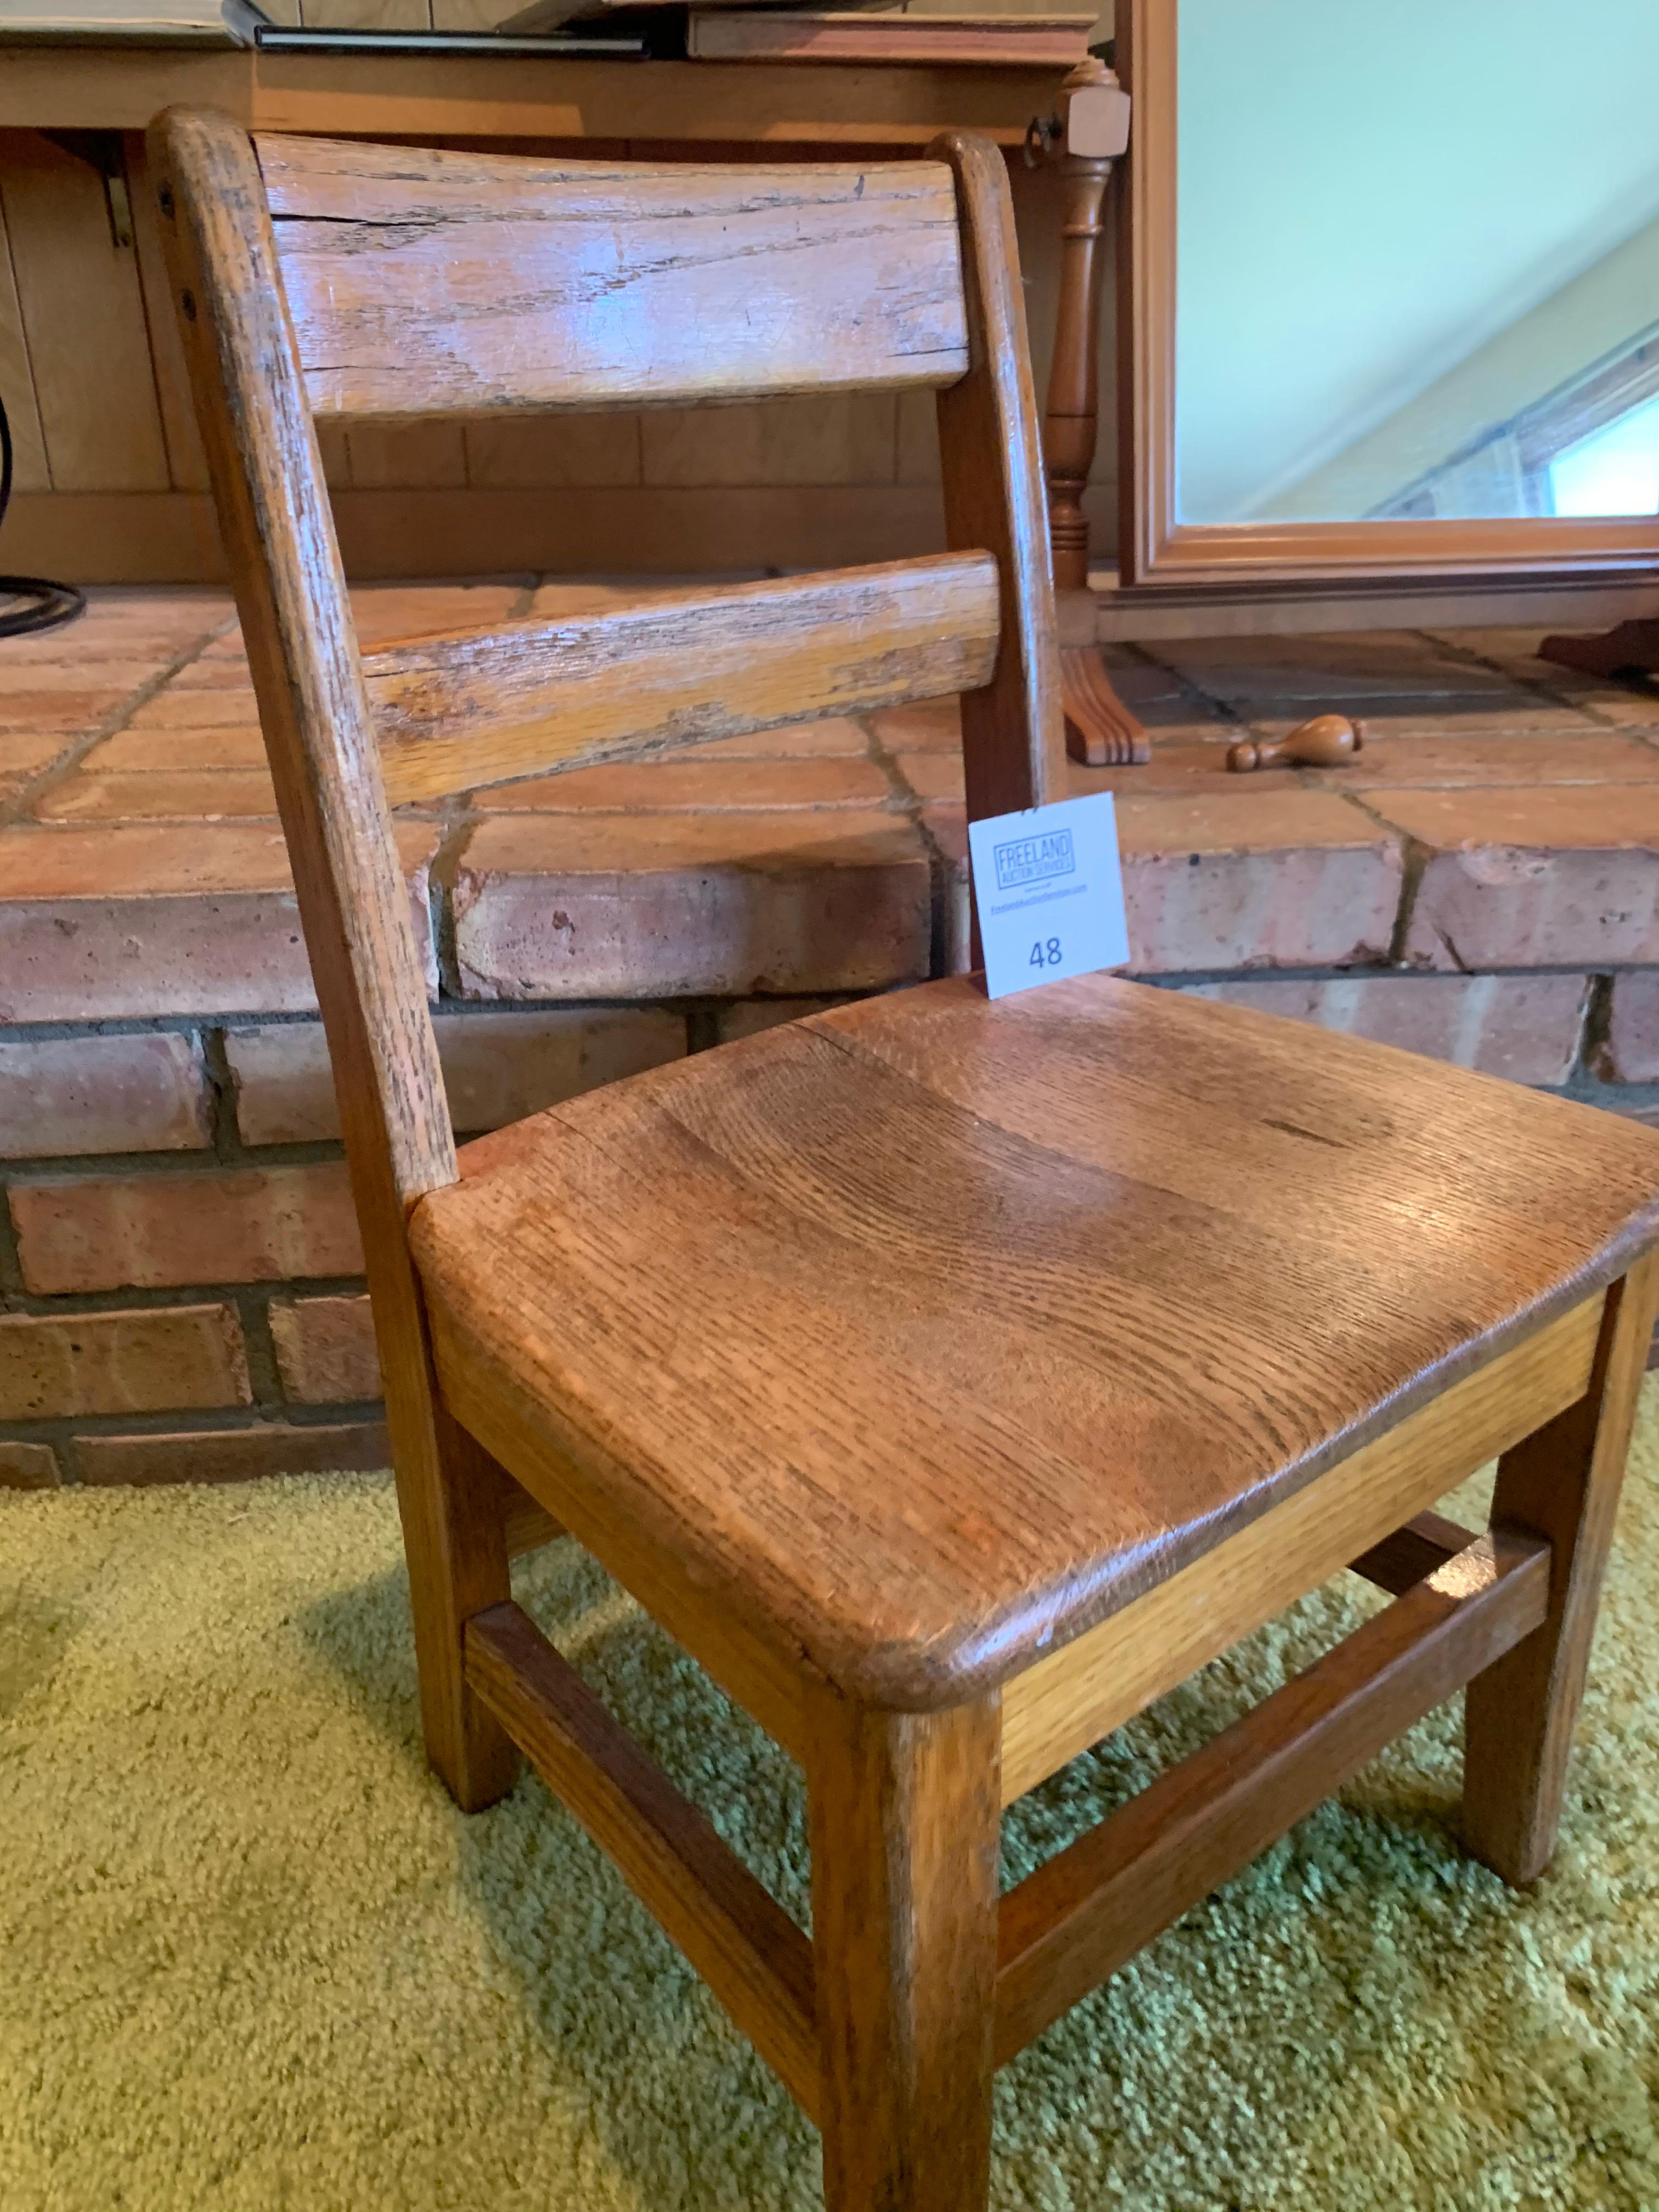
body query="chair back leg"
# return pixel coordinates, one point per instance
(457, 1524)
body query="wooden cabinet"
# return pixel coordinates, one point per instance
(110, 481)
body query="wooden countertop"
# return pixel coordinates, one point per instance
(120, 87)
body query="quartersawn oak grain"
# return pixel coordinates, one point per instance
(423, 282)
(1069, 1701)
(1112, 1277)
(676, 669)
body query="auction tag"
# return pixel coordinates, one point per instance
(1048, 886)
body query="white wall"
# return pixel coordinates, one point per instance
(1370, 190)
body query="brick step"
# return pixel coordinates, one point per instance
(178, 1292)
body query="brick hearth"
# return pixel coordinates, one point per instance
(178, 1264)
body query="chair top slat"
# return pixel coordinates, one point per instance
(427, 282)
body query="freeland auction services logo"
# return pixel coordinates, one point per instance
(1034, 860)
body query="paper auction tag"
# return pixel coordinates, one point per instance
(1048, 885)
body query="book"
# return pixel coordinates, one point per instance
(543, 15)
(246, 23)
(146, 22)
(788, 34)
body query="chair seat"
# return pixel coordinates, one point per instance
(931, 1331)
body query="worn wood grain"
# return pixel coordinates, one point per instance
(676, 668)
(1080, 1694)
(465, 283)
(1561, 1484)
(743, 1943)
(1117, 1271)
(290, 592)
(1092, 1906)
(903, 1811)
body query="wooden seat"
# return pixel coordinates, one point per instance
(952, 1379)
(1107, 1272)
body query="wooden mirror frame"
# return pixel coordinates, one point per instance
(1155, 550)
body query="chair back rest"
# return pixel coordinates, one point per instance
(358, 281)
(467, 283)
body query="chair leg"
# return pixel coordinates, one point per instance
(452, 1497)
(1561, 1483)
(904, 1825)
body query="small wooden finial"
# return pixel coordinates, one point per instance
(1328, 741)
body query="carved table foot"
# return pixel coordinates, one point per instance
(1628, 653)
(1100, 731)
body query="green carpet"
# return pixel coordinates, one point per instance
(250, 1957)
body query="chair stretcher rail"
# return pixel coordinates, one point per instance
(1091, 1907)
(741, 1942)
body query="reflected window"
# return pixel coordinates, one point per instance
(1417, 260)
(1613, 471)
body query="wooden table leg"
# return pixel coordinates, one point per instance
(904, 1822)
(1099, 728)
(1561, 1483)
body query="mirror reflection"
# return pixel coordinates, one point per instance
(1418, 260)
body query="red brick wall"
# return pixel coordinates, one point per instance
(179, 1295)
(179, 1258)
(178, 1261)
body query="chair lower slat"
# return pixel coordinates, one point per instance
(675, 668)
(1091, 1907)
(739, 1939)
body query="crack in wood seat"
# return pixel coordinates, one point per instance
(929, 1332)
(951, 1379)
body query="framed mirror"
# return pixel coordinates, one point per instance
(1389, 298)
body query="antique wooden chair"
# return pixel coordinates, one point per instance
(950, 1378)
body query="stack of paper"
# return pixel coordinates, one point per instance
(187, 22)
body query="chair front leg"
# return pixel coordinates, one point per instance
(905, 1812)
(1561, 1483)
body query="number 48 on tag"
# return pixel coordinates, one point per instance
(1048, 888)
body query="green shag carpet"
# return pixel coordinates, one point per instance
(251, 1957)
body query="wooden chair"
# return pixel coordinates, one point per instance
(950, 1378)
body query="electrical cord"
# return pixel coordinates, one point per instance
(46, 604)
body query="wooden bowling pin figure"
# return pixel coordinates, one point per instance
(1328, 741)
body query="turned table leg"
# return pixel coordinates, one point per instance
(1099, 728)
